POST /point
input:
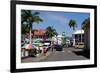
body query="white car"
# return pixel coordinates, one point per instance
(47, 44)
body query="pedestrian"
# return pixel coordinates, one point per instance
(45, 51)
(52, 46)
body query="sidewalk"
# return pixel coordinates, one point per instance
(39, 58)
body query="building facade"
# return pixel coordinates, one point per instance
(39, 33)
(78, 36)
(87, 36)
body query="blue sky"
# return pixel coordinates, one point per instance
(59, 21)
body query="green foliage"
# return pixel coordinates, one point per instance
(85, 22)
(24, 28)
(72, 24)
(50, 32)
(28, 17)
(64, 39)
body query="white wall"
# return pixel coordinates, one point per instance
(5, 37)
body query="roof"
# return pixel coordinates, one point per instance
(59, 36)
(39, 32)
(79, 32)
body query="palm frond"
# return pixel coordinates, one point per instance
(72, 24)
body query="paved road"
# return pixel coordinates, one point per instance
(67, 54)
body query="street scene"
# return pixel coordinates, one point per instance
(66, 55)
(54, 36)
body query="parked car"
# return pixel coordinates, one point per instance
(39, 45)
(58, 47)
(79, 45)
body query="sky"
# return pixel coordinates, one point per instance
(60, 20)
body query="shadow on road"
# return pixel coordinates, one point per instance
(85, 53)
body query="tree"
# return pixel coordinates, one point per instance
(85, 22)
(24, 28)
(50, 32)
(72, 24)
(27, 19)
(64, 39)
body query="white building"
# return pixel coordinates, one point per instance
(57, 39)
(78, 36)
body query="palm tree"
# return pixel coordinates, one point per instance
(85, 23)
(63, 39)
(72, 24)
(50, 32)
(28, 18)
(24, 29)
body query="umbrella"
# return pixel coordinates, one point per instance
(29, 46)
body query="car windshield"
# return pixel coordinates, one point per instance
(35, 44)
(46, 41)
(37, 41)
